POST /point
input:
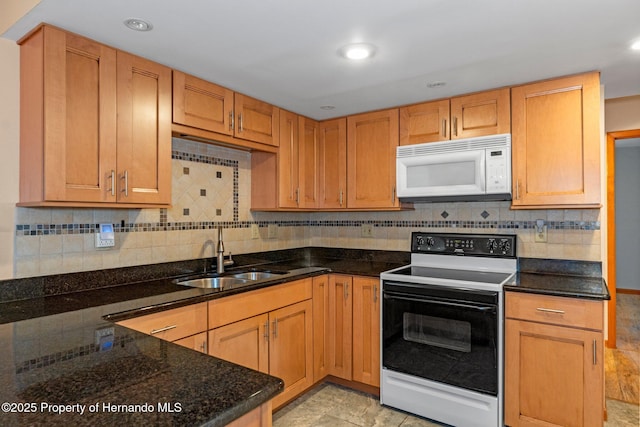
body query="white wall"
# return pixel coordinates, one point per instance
(627, 217)
(10, 143)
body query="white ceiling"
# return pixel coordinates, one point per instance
(284, 51)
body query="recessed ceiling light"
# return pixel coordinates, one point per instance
(357, 51)
(138, 24)
(327, 107)
(636, 45)
(432, 85)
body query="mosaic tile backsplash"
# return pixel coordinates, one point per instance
(212, 187)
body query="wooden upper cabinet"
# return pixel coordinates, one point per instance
(95, 124)
(68, 118)
(288, 161)
(255, 120)
(144, 131)
(372, 139)
(426, 122)
(479, 114)
(556, 143)
(332, 156)
(201, 104)
(309, 174)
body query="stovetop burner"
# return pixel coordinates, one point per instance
(458, 275)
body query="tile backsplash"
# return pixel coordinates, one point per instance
(212, 186)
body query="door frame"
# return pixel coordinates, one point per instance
(611, 228)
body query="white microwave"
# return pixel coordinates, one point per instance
(470, 169)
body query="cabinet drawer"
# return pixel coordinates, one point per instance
(172, 324)
(242, 306)
(561, 311)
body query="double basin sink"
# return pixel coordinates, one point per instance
(228, 281)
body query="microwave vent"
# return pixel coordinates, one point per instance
(479, 143)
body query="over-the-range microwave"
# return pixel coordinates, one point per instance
(470, 169)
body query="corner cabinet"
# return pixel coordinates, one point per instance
(372, 139)
(556, 143)
(79, 147)
(479, 114)
(554, 361)
(269, 330)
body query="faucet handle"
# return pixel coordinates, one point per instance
(229, 261)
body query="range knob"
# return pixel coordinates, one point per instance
(430, 241)
(505, 246)
(420, 240)
(492, 245)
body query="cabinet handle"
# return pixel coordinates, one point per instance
(112, 177)
(203, 346)
(455, 126)
(444, 128)
(595, 353)
(375, 294)
(298, 196)
(266, 330)
(126, 183)
(550, 310)
(340, 198)
(240, 123)
(393, 195)
(345, 286)
(166, 328)
(275, 328)
(232, 120)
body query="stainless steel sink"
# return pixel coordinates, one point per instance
(213, 282)
(254, 275)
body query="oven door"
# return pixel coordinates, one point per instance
(447, 335)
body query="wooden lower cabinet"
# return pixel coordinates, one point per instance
(278, 342)
(172, 325)
(346, 312)
(366, 330)
(554, 368)
(259, 417)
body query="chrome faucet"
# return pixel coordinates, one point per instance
(221, 263)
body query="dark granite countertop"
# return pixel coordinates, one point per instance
(51, 355)
(565, 278)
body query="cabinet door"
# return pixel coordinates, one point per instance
(366, 330)
(333, 163)
(291, 349)
(201, 104)
(321, 366)
(309, 163)
(144, 131)
(553, 375)
(288, 161)
(68, 103)
(556, 143)
(426, 122)
(245, 342)
(485, 113)
(340, 323)
(196, 342)
(255, 120)
(372, 139)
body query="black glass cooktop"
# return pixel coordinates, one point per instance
(450, 274)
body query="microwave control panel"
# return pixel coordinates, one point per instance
(498, 170)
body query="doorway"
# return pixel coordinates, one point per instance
(622, 137)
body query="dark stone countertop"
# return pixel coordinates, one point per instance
(564, 278)
(50, 354)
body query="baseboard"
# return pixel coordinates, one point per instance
(628, 291)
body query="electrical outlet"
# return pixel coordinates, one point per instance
(540, 236)
(366, 230)
(272, 231)
(255, 231)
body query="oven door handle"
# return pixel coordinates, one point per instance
(404, 297)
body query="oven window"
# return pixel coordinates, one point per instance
(438, 332)
(449, 341)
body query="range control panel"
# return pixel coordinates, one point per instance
(492, 245)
